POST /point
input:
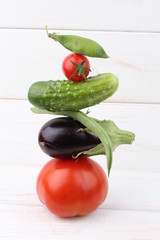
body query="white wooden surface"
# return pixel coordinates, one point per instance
(130, 33)
(132, 208)
(113, 15)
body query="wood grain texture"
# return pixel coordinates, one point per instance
(28, 56)
(30, 222)
(133, 15)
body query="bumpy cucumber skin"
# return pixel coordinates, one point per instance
(64, 95)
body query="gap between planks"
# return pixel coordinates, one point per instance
(82, 30)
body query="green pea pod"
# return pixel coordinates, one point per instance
(79, 45)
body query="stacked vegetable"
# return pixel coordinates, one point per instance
(72, 184)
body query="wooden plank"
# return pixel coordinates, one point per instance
(28, 56)
(30, 222)
(20, 127)
(111, 15)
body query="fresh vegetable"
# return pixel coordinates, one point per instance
(65, 138)
(71, 184)
(63, 95)
(91, 124)
(76, 67)
(79, 45)
(101, 129)
(73, 187)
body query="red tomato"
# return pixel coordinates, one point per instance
(76, 67)
(72, 187)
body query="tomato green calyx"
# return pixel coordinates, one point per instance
(80, 69)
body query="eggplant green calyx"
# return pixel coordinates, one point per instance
(116, 135)
(80, 69)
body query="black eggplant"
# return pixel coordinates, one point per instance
(65, 137)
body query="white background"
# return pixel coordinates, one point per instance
(129, 31)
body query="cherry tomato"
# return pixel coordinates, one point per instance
(76, 67)
(72, 187)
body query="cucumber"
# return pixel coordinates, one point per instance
(64, 95)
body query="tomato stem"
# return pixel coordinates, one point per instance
(80, 69)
